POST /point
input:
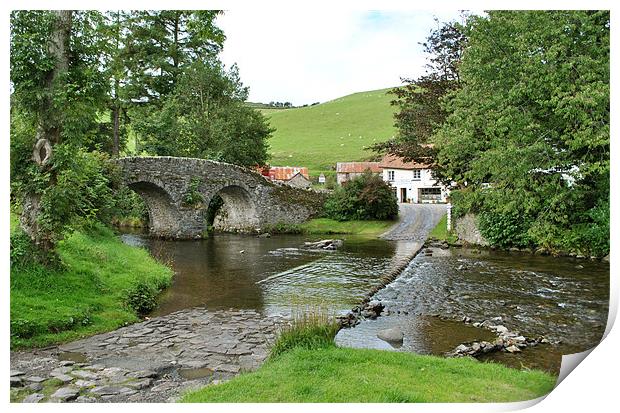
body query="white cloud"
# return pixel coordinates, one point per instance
(304, 56)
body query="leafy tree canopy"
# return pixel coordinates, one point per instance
(531, 118)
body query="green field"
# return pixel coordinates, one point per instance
(347, 375)
(335, 131)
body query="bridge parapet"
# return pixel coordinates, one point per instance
(251, 202)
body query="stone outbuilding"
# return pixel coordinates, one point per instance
(345, 171)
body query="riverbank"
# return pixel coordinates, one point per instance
(328, 226)
(343, 375)
(99, 285)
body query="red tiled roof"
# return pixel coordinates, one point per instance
(395, 162)
(284, 173)
(357, 167)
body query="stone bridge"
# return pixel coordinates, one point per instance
(177, 192)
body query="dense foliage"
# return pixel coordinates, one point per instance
(524, 139)
(85, 80)
(366, 197)
(419, 101)
(206, 117)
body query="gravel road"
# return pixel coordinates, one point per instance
(416, 221)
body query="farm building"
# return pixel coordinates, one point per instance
(345, 171)
(292, 175)
(411, 181)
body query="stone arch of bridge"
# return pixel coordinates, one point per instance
(238, 211)
(162, 211)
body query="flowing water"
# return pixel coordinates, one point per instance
(272, 275)
(564, 299)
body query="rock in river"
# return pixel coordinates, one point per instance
(391, 335)
(325, 244)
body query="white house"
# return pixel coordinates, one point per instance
(412, 182)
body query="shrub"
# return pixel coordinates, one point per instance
(366, 197)
(76, 187)
(592, 238)
(504, 230)
(309, 330)
(142, 298)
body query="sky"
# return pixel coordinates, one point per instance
(308, 56)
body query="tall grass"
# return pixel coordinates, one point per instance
(310, 329)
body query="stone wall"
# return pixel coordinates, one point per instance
(251, 202)
(467, 230)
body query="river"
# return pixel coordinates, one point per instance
(564, 299)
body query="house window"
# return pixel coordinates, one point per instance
(430, 194)
(390, 175)
(416, 174)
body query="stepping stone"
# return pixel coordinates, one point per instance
(16, 381)
(109, 390)
(61, 370)
(35, 387)
(63, 377)
(112, 371)
(33, 398)
(142, 374)
(86, 399)
(17, 373)
(66, 363)
(139, 384)
(65, 394)
(84, 383)
(228, 368)
(82, 374)
(391, 335)
(35, 379)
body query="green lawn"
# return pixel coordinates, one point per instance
(335, 131)
(353, 375)
(330, 226)
(84, 296)
(440, 232)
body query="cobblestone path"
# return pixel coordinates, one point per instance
(152, 361)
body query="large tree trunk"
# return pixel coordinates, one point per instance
(49, 122)
(58, 48)
(116, 113)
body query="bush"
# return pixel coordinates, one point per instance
(366, 197)
(21, 249)
(309, 330)
(504, 230)
(142, 298)
(75, 188)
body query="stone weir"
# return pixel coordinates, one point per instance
(178, 191)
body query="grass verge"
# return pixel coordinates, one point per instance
(306, 366)
(92, 291)
(338, 375)
(330, 226)
(440, 232)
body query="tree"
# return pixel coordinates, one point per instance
(365, 197)
(532, 119)
(206, 117)
(162, 43)
(420, 100)
(58, 92)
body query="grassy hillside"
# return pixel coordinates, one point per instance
(335, 131)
